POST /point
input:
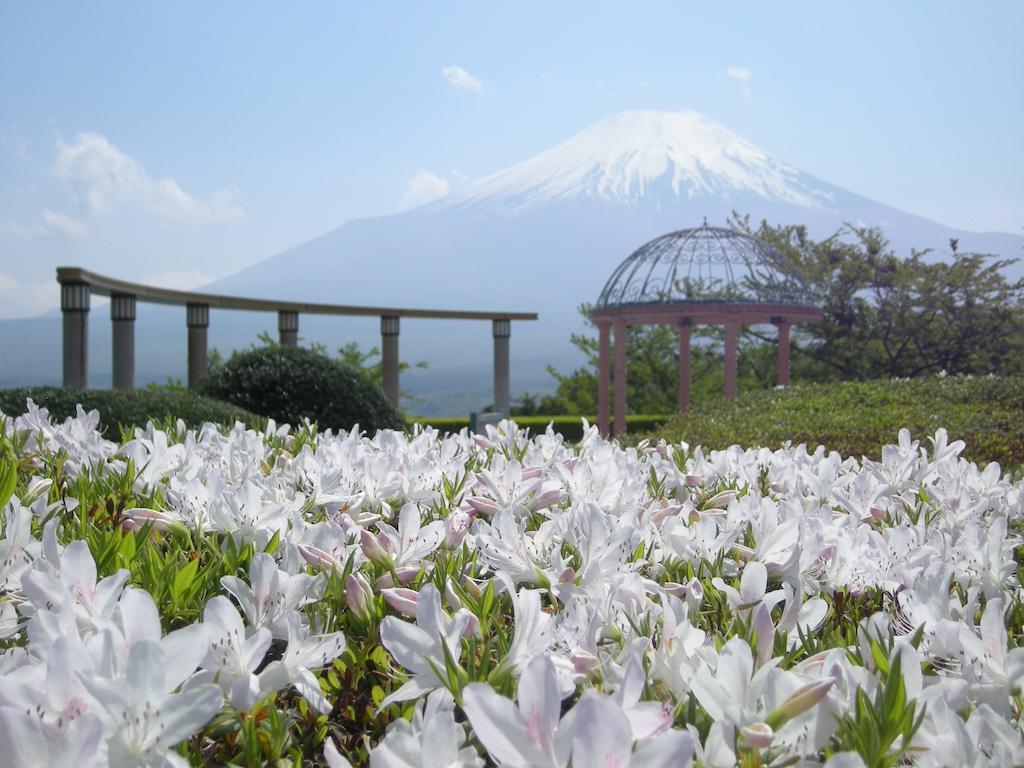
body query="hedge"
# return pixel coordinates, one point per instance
(128, 408)
(858, 418)
(570, 427)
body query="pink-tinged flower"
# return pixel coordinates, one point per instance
(401, 599)
(358, 595)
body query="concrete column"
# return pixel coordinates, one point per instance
(122, 328)
(197, 317)
(389, 357)
(288, 328)
(684, 364)
(74, 304)
(620, 377)
(501, 330)
(783, 359)
(603, 375)
(731, 330)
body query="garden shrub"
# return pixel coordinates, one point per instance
(127, 408)
(289, 384)
(857, 418)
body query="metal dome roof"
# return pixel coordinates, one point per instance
(705, 265)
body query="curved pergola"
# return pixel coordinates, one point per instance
(700, 276)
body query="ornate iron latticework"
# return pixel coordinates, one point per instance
(705, 265)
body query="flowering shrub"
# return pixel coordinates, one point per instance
(209, 596)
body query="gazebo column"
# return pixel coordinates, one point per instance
(783, 352)
(501, 330)
(122, 328)
(74, 305)
(197, 317)
(684, 364)
(731, 330)
(288, 328)
(603, 375)
(620, 377)
(389, 356)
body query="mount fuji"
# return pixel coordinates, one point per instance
(541, 236)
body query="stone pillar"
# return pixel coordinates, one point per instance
(122, 327)
(197, 317)
(731, 330)
(288, 328)
(620, 377)
(74, 305)
(389, 356)
(684, 364)
(603, 376)
(501, 330)
(783, 358)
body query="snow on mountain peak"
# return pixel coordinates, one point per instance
(629, 157)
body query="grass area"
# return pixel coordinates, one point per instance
(858, 418)
(125, 407)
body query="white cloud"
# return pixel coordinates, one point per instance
(424, 187)
(19, 299)
(102, 178)
(49, 224)
(461, 79)
(741, 74)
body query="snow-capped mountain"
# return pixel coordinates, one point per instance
(543, 235)
(633, 157)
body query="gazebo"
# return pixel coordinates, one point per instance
(700, 276)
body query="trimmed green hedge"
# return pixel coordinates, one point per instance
(133, 407)
(858, 418)
(570, 427)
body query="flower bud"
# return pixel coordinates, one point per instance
(675, 589)
(318, 558)
(799, 701)
(358, 595)
(455, 527)
(482, 505)
(584, 662)
(756, 736)
(450, 598)
(401, 599)
(371, 547)
(694, 594)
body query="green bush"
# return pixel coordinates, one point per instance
(289, 384)
(570, 427)
(858, 418)
(128, 408)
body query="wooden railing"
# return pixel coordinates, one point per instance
(77, 286)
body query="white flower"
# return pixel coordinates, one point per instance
(432, 740)
(233, 657)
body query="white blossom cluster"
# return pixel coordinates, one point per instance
(669, 606)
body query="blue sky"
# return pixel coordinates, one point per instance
(180, 142)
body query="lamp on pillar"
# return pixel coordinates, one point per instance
(122, 329)
(288, 328)
(74, 305)
(389, 356)
(684, 364)
(197, 317)
(501, 330)
(604, 378)
(620, 377)
(731, 330)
